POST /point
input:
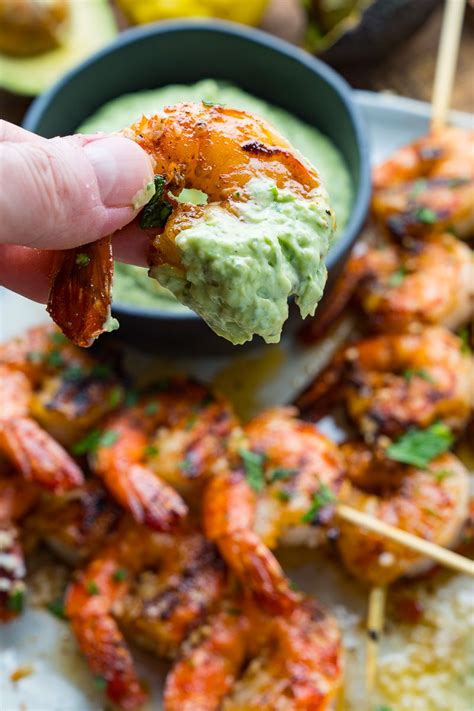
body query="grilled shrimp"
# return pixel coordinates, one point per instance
(16, 499)
(432, 503)
(45, 379)
(295, 662)
(213, 149)
(287, 491)
(396, 381)
(428, 185)
(178, 435)
(429, 282)
(185, 589)
(400, 286)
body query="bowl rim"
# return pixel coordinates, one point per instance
(253, 35)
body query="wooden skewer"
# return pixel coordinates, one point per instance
(375, 621)
(426, 548)
(446, 62)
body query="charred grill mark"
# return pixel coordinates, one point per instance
(260, 149)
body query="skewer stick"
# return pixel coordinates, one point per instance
(426, 548)
(446, 61)
(375, 621)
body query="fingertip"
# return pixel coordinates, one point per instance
(27, 271)
(131, 245)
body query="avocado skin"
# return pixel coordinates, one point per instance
(384, 25)
(91, 25)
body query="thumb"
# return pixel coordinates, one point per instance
(63, 192)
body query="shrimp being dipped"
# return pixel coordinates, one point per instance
(428, 186)
(391, 383)
(171, 441)
(189, 581)
(283, 493)
(295, 662)
(50, 390)
(431, 503)
(262, 234)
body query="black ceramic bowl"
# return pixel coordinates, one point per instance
(184, 52)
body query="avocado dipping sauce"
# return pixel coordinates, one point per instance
(132, 284)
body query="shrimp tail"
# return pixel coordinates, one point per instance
(150, 500)
(81, 292)
(258, 569)
(326, 389)
(38, 456)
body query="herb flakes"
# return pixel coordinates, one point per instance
(418, 447)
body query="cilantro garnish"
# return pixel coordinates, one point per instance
(463, 334)
(411, 373)
(396, 278)
(158, 209)
(321, 498)
(16, 600)
(82, 259)
(152, 408)
(419, 447)
(150, 450)
(253, 465)
(56, 607)
(100, 682)
(55, 359)
(115, 396)
(282, 473)
(92, 587)
(93, 440)
(426, 215)
(73, 373)
(119, 575)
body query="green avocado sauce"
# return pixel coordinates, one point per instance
(274, 245)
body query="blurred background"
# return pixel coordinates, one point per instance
(382, 45)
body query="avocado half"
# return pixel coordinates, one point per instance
(91, 25)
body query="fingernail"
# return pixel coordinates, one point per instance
(122, 169)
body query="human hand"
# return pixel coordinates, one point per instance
(63, 192)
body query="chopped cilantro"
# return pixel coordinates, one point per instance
(34, 357)
(150, 450)
(383, 708)
(426, 215)
(396, 278)
(152, 408)
(253, 465)
(190, 422)
(58, 338)
(418, 187)
(158, 209)
(131, 397)
(282, 473)
(186, 465)
(100, 682)
(119, 575)
(93, 440)
(55, 359)
(92, 587)
(463, 334)
(283, 495)
(321, 498)
(16, 600)
(208, 104)
(442, 474)
(82, 259)
(56, 607)
(115, 396)
(101, 370)
(410, 373)
(419, 447)
(73, 373)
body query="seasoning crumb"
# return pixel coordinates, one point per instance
(21, 673)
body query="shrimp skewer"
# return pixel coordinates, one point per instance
(431, 503)
(394, 382)
(428, 185)
(186, 590)
(178, 435)
(218, 151)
